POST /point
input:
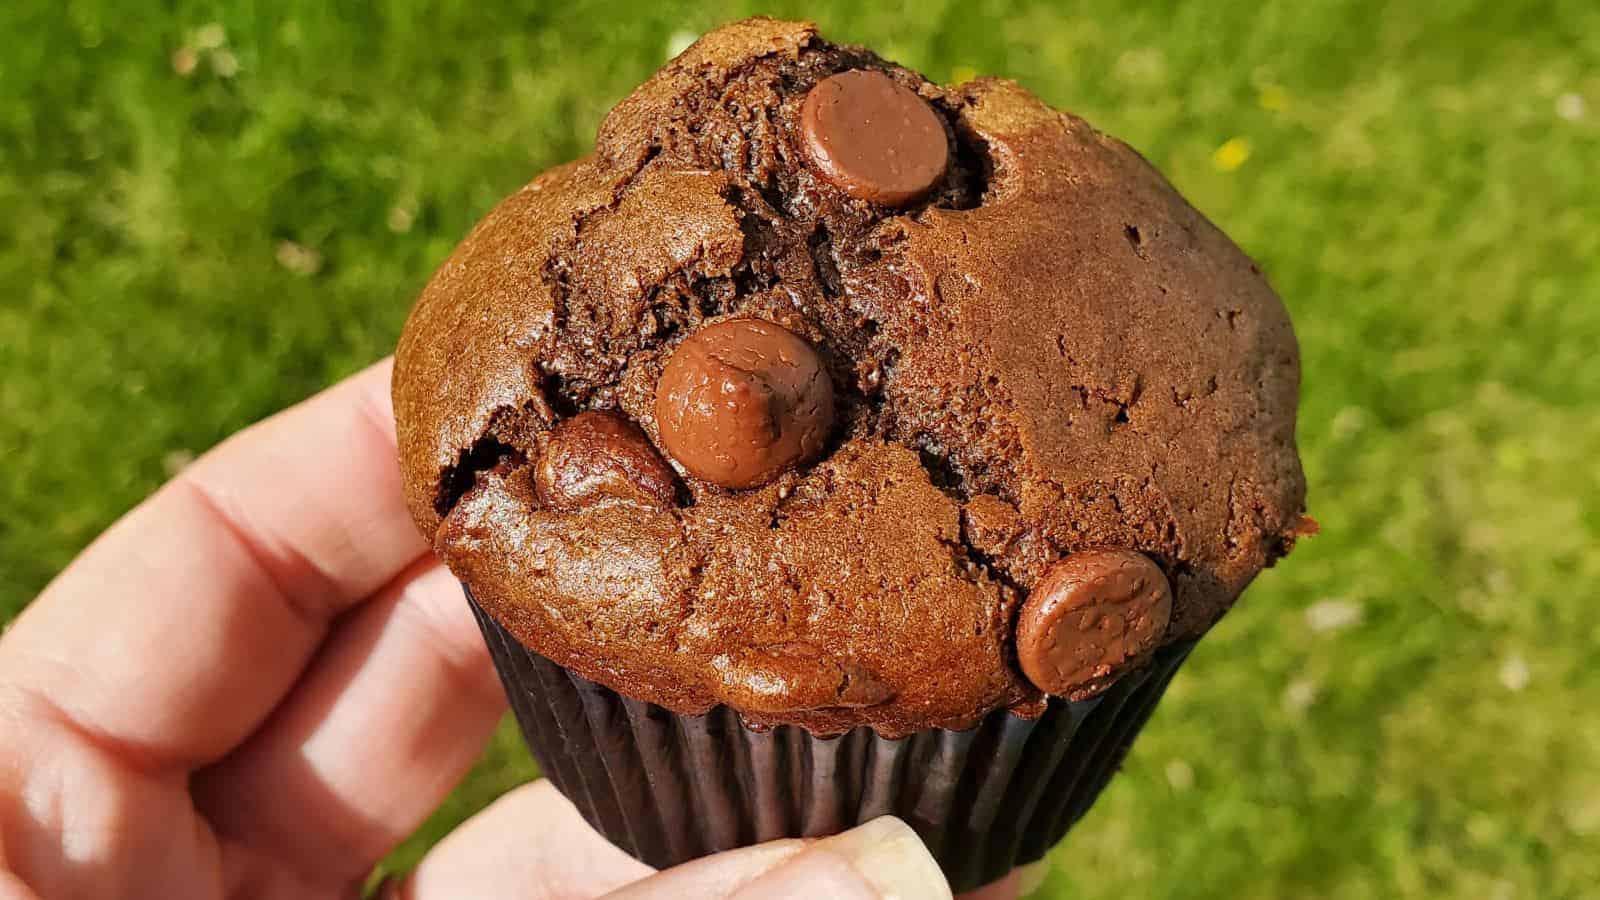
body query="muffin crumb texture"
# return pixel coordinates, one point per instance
(1029, 348)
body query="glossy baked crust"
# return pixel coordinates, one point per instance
(1051, 351)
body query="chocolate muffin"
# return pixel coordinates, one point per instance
(831, 443)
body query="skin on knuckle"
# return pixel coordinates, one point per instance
(438, 621)
(66, 806)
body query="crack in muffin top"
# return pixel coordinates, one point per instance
(1044, 351)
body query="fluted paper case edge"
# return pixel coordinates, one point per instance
(669, 788)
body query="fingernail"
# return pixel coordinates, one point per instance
(1031, 877)
(890, 857)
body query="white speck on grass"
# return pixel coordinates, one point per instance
(1180, 775)
(176, 461)
(1299, 695)
(1147, 66)
(1485, 828)
(1498, 581)
(1348, 422)
(1333, 615)
(1484, 537)
(679, 41)
(1514, 674)
(1582, 815)
(1571, 107)
(401, 218)
(299, 259)
(210, 36)
(224, 63)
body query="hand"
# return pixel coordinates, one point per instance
(259, 681)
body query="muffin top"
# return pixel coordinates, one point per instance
(843, 398)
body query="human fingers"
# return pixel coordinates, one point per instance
(880, 860)
(175, 634)
(531, 844)
(386, 720)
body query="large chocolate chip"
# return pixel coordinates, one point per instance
(741, 400)
(600, 455)
(1094, 616)
(873, 138)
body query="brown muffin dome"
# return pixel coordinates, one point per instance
(1045, 352)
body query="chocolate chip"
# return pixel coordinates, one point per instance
(597, 456)
(741, 400)
(1094, 615)
(873, 138)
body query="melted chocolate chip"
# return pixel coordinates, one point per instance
(1094, 615)
(741, 400)
(597, 456)
(873, 138)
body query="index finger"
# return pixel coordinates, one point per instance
(174, 635)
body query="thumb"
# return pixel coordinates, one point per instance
(881, 860)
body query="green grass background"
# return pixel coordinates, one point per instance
(1406, 708)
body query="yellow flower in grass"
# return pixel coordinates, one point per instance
(1231, 155)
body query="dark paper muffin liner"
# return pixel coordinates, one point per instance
(669, 788)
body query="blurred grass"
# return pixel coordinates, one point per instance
(199, 226)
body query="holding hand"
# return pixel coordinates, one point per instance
(259, 681)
